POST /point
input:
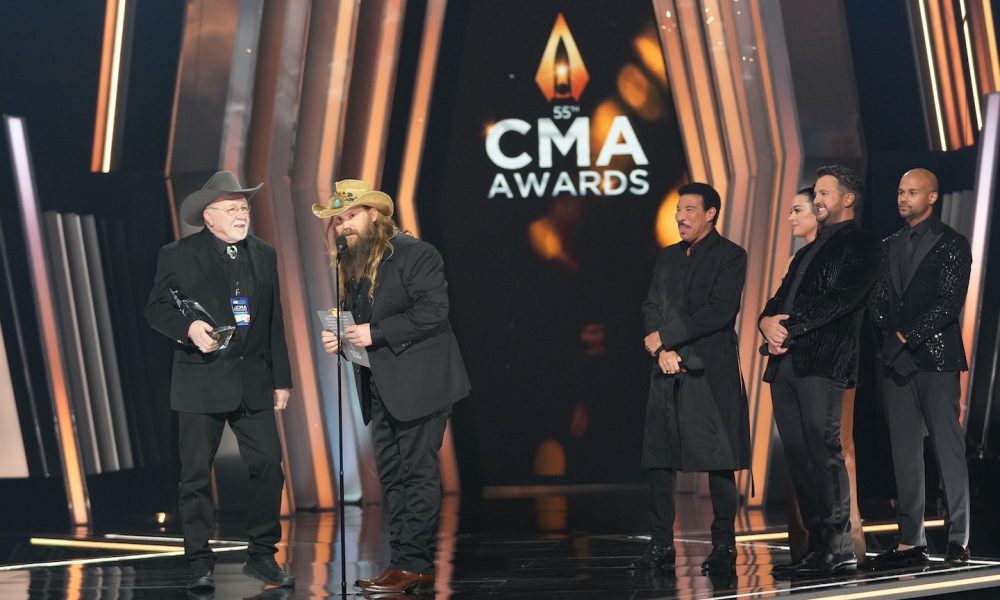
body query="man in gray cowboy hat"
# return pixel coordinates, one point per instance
(395, 287)
(234, 276)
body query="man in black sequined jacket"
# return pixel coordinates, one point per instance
(915, 305)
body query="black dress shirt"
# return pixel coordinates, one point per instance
(910, 243)
(239, 278)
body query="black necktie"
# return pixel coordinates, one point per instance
(908, 251)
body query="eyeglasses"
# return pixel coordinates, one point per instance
(233, 211)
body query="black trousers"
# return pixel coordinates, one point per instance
(406, 454)
(721, 486)
(260, 448)
(928, 402)
(807, 411)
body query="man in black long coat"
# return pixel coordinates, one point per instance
(397, 293)
(697, 417)
(234, 276)
(812, 326)
(920, 291)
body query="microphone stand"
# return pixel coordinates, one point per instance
(340, 432)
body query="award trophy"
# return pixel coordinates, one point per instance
(192, 310)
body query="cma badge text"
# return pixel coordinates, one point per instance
(620, 140)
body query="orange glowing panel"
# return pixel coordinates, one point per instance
(666, 223)
(544, 239)
(648, 49)
(561, 73)
(639, 93)
(601, 120)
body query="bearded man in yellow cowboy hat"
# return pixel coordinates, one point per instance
(394, 285)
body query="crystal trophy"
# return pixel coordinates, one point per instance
(191, 309)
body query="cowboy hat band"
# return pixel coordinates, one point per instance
(219, 184)
(350, 193)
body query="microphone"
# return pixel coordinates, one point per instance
(341, 243)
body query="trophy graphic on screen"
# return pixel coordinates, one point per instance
(191, 309)
(562, 84)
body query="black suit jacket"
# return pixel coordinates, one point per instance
(825, 320)
(419, 370)
(925, 308)
(243, 372)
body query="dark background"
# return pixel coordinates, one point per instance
(520, 317)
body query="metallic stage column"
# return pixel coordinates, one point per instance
(980, 403)
(270, 143)
(319, 133)
(746, 83)
(213, 103)
(77, 497)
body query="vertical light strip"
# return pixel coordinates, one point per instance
(76, 485)
(383, 83)
(974, 87)
(958, 86)
(103, 86)
(116, 59)
(107, 93)
(944, 79)
(430, 44)
(935, 96)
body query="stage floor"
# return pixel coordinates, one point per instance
(541, 546)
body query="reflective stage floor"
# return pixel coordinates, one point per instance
(535, 547)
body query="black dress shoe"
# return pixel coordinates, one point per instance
(790, 567)
(722, 558)
(266, 569)
(202, 578)
(657, 556)
(894, 558)
(824, 563)
(957, 554)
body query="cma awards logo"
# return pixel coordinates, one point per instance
(562, 77)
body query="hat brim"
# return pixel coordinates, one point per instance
(196, 202)
(380, 201)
